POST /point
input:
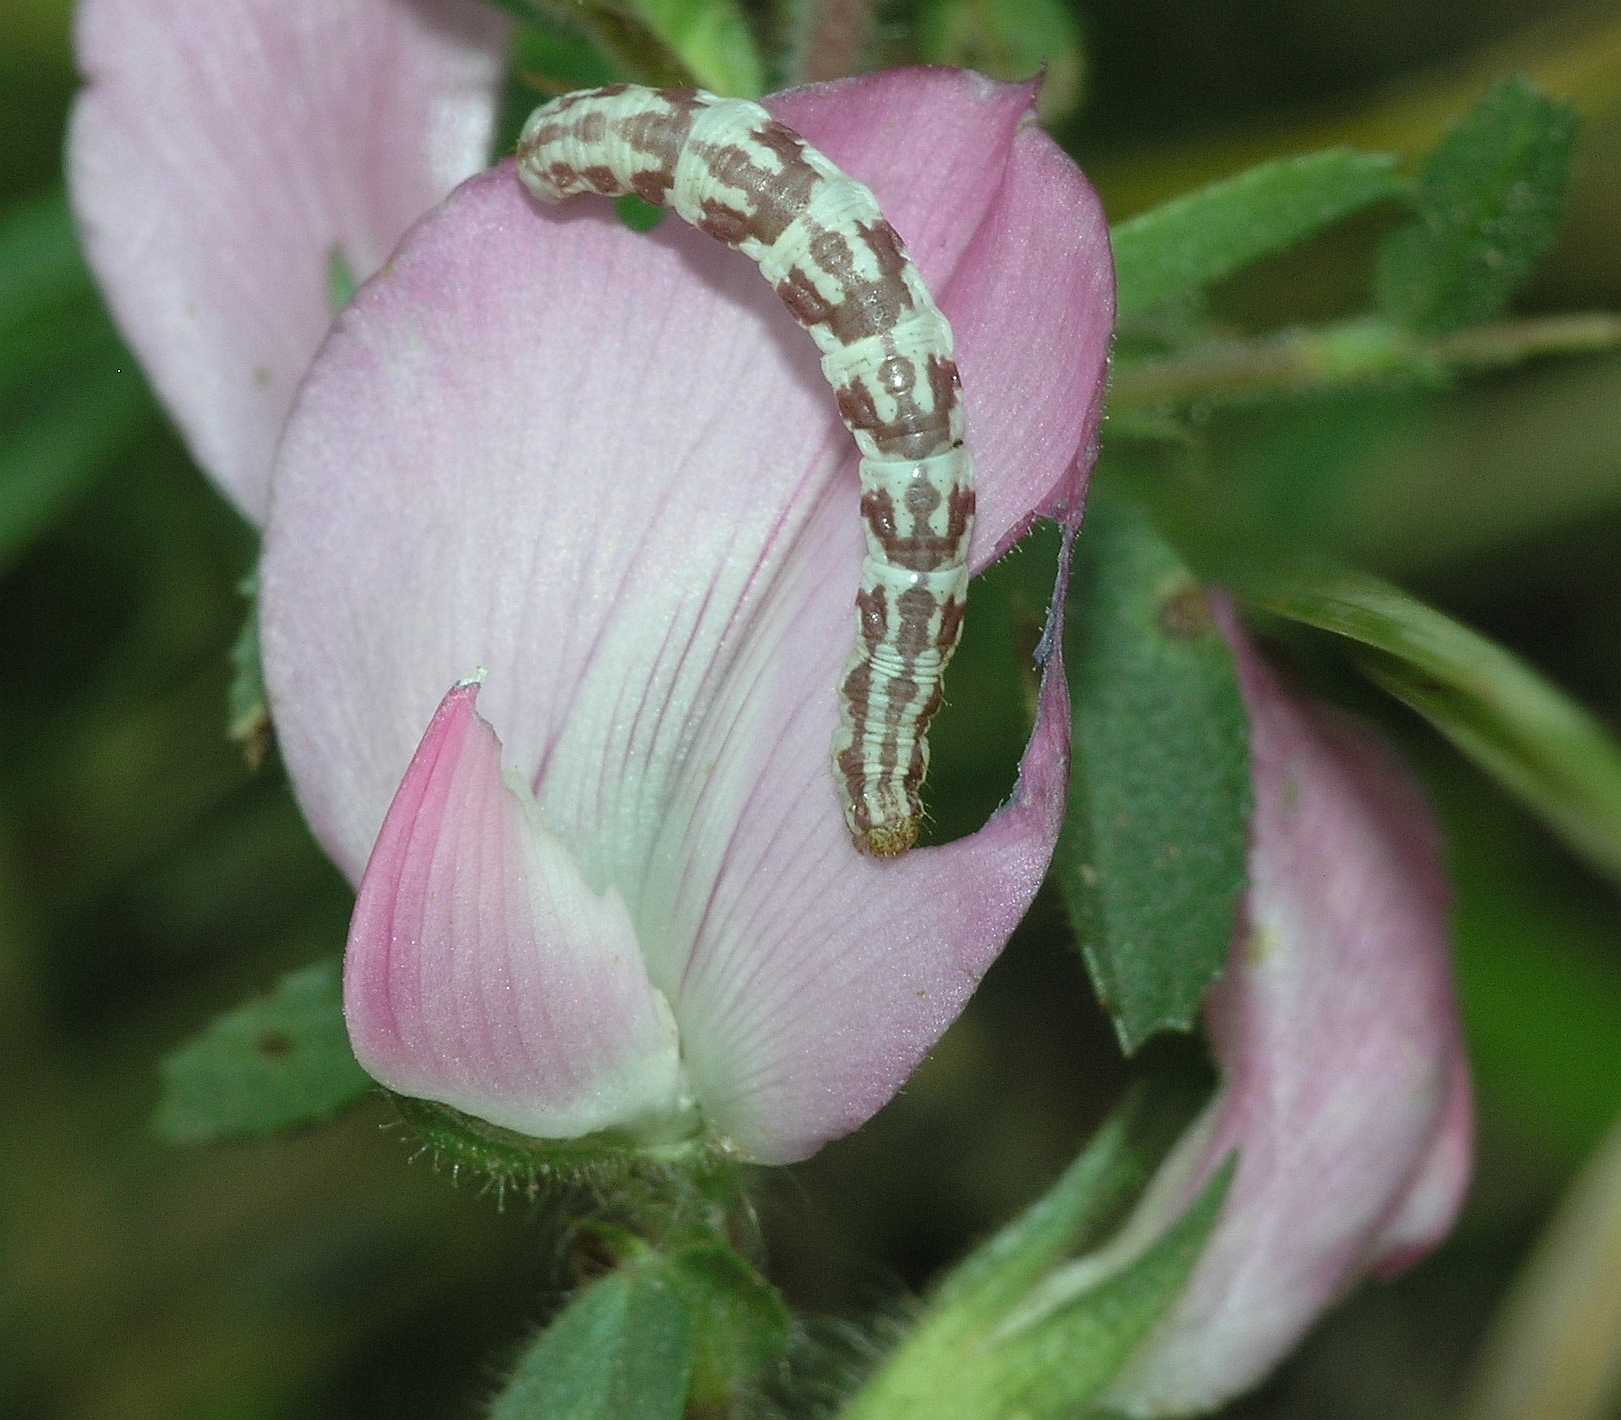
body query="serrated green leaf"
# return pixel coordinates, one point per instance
(1199, 238)
(1533, 739)
(740, 1322)
(621, 1350)
(1489, 205)
(1151, 862)
(275, 1063)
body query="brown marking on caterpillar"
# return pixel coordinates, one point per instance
(919, 549)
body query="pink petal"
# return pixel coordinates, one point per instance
(1345, 1091)
(485, 973)
(224, 150)
(1437, 1191)
(606, 466)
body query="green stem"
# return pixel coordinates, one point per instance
(1349, 353)
(1536, 741)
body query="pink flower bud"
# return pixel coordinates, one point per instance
(1345, 1089)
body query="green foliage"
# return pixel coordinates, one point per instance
(1016, 1329)
(1152, 858)
(711, 37)
(1489, 205)
(40, 265)
(695, 1325)
(740, 1322)
(660, 42)
(1015, 40)
(73, 439)
(64, 378)
(1061, 1359)
(1199, 238)
(1073, 1214)
(554, 56)
(1532, 738)
(621, 1350)
(1536, 954)
(275, 1063)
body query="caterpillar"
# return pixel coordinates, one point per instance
(730, 169)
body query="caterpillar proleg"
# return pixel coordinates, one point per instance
(729, 168)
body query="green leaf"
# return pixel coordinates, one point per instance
(275, 1063)
(711, 37)
(1489, 205)
(553, 55)
(662, 42)
(740, 1322)
(1014, 1332)
(1091, 1193)
(621, 1350)
(1152, 857)
(976, 1299)
(1062, 1354)
(1527, 928)
(1197, 239)
(1533, 739)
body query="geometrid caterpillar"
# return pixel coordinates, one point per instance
(727, 166)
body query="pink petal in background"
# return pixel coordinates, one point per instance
(223, 151)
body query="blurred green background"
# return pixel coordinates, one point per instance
(148, 880)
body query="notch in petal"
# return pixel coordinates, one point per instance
(484, 973)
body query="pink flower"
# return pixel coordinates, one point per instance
(1345, 1087)
(604, 467)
